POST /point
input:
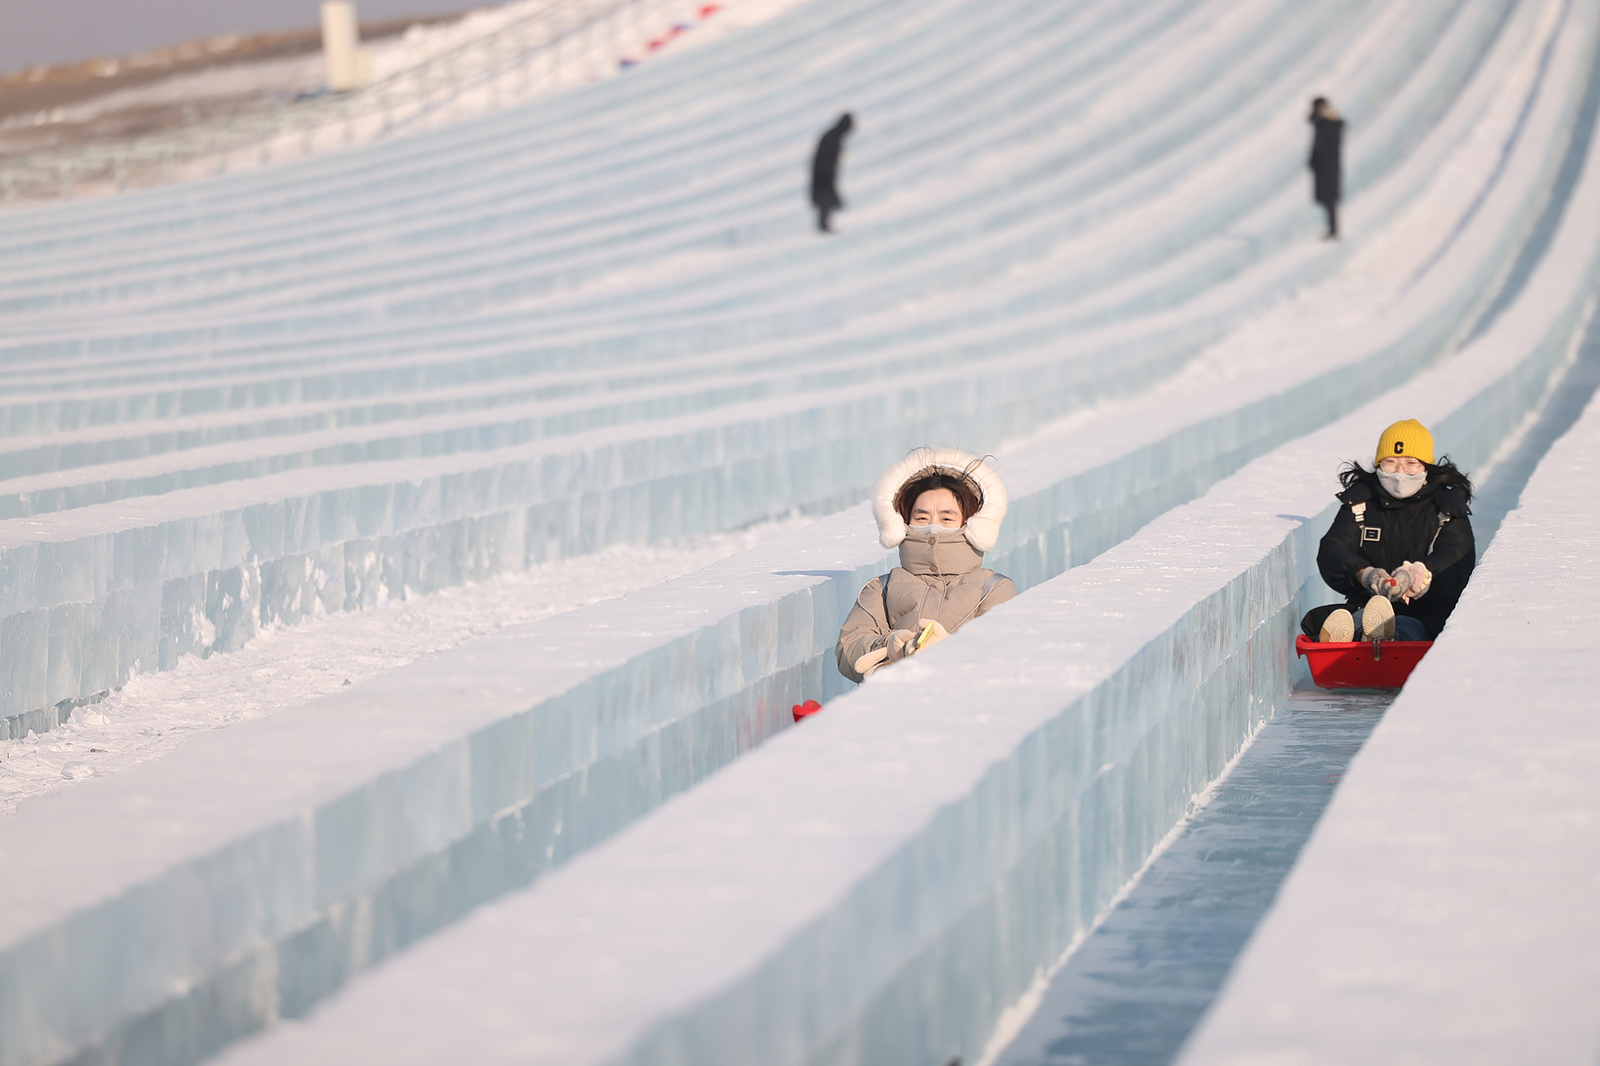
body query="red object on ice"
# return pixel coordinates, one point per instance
(709, 10)
(806, 709)
(1353, 665)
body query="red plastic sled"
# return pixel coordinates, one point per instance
(806, 709)
(1354, 665)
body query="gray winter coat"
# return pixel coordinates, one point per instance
(941, 577)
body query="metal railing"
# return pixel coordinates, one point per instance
(559, 43)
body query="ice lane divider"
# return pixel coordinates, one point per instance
(587, 242)
(1039, 328)
(143, 484)
(670, 88)
(721, 157)
(1274, 236)
(881, 883)
(1248, 168)
(1475, 798)
(746, 141)
(90, 594)
(1208, 103)
(74, 494)
(1211, 264)
(249, 874)
(911, 258)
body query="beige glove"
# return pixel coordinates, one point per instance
(1374, 579)
(1419, 580)
(1380, 582)
(938, 632)
(871, 661)
(902, 642)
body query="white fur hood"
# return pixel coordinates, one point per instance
(983, 528)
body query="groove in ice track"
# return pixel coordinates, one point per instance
(289, 666)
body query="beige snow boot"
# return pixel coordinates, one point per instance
(1377, 619)
(1338, 628)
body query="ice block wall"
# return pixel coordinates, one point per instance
(879, 884)
(558, 771)
(418, 797)
(365, 403)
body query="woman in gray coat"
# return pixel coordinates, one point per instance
(942, 508)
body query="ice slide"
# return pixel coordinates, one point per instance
(704, 708)
(331, 458)
(374, 788)
(889, 876)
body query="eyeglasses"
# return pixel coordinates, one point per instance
(1405, 464)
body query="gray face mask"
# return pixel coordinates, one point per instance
(929, 531)
(1402, 485)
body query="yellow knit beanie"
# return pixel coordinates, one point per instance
(1406, 438)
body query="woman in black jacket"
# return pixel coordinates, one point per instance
(1401, 549)
(1326, 162)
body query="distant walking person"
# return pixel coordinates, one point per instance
(825, 172)
(1326, 167)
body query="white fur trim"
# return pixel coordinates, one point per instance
(983, 528)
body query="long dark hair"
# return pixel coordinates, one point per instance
(1444, 472)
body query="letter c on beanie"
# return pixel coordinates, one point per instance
(1406, 438)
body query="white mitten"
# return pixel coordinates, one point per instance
(938, 634)
(1418, 579)
(902, 642)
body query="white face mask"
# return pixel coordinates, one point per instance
(1402, 485)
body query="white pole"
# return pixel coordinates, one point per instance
(341, 46)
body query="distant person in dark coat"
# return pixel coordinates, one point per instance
(1326, 166)
(825, 171)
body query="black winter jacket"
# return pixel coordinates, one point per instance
(1431, 527)
(825, 164)
(1327, 166)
